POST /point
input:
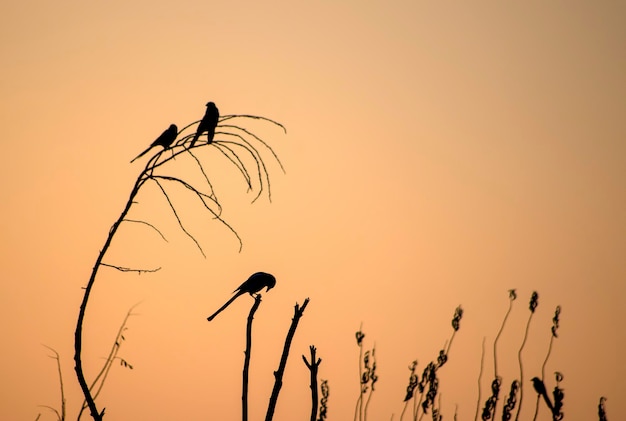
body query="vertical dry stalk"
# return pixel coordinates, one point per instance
(278, 375)
(246, 362)
(313, 367)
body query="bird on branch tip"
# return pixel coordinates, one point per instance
(255, 283)
(540, 388)
(166, 139)
(207, 124)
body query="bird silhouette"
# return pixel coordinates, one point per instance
(166, 139)
(540, 388)
(255, 283)
(207, 124)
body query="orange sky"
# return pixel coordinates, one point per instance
(435, 156)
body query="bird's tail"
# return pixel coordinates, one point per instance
(194, 140)
(546, 398)
(141, 154)
(222, 308)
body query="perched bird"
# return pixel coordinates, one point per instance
(207, 124)
(166, 139)
(255, 283)
(540, 388)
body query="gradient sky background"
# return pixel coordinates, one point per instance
(436, 155)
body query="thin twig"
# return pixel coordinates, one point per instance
(206, 178)
(236, 161)
(125, 269)
(56, 357)
(148, 224)
(180, 223)
(52, 409)
(480, 374)
(104, 371)
(254, 117)
(261, 141)
(257, 159)
(201, 196)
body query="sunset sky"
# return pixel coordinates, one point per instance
(436, 155)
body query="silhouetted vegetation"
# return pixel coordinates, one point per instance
(423, 392)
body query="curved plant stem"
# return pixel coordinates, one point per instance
(78, 334)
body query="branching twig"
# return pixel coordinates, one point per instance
(56, 357)
(206, 178)
(202, 197)
(104, 371)
(278, 374)
(180, 223)
(313, 367)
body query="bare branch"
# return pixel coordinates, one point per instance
(52, 409)
(246, 363)
(313, 368)
(238, 163)
(254, 117)
(207, 180)
(180, 223)
(125, 269)
(198, 193)
(148, 224)
(200, 196)
(104, 371)
(257, 159)
(278, 375)
(249, 133)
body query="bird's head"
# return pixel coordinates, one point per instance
(271, 282)
(174, 127)
(210, 104)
